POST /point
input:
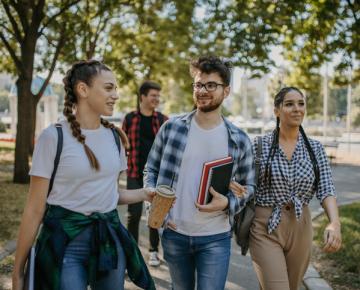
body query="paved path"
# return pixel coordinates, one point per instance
(241, 275)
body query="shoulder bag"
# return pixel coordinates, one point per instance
(243, 220)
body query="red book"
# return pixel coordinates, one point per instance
(223, 169)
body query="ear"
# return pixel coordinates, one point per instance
(141, 98)
(226, 91)
(277, 112)
(81, 90)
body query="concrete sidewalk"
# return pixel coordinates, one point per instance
(241, 275)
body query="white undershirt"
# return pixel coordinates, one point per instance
(202, 146)
(77, 186)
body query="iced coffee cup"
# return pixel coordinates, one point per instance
(160, 205)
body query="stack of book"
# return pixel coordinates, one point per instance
(216, 173)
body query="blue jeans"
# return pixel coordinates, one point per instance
(74, 269)
(207, 256)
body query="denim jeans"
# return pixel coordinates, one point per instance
(206, 257)
(74, 269)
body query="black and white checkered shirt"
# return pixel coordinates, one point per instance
(292, 181)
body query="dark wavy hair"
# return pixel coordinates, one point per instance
(212, 64)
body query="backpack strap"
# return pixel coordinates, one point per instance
(117, 139)
(60, 142)
(57, 156)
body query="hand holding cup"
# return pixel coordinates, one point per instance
(161, 204)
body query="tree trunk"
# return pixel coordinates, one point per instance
(33, 126)
(23, 130)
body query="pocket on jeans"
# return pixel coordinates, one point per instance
(170, 234)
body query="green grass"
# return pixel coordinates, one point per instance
(7, 146)
(12, 197)
(346, 262)
(7, 152)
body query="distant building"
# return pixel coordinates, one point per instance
(5, 80)
(47, 108)
(254, 96)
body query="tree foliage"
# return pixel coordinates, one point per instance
(32, 35)
(91, 22)
(321, 29)
(155, 39)
(152, 41)
(312, 33)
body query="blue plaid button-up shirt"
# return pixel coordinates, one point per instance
(292, 181)
(164, 160)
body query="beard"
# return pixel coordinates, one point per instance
(209, 108)
(212, 106)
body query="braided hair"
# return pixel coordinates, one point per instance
(84, 71)
(279, 98)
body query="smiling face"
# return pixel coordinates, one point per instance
(100, 96)
(292, 109)
(151, 100)
(209, 101)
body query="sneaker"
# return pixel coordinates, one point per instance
(153, 259)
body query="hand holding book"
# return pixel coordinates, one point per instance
(235, 187)
(217, 174)
(219, 202)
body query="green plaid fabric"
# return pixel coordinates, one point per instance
(60, 226)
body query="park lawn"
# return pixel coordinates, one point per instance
(6, 145)
(7, 150)
(341, 269)
(12, 196)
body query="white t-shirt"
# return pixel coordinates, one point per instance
(202, 146)
(77, 186)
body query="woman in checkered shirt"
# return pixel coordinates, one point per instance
(293, 169)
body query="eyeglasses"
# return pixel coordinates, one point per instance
(210, 86)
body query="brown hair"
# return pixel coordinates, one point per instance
(144, 89)
(84, 71)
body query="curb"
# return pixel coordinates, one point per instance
(312, 279)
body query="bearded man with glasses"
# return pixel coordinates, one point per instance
(196, 238)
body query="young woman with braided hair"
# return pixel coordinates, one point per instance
(293, 169)
(82, 241)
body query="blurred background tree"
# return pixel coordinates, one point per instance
(154, 39)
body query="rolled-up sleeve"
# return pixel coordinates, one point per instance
(326, 186)
(245, 175)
